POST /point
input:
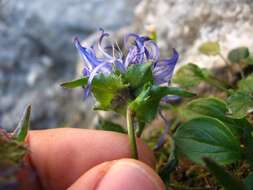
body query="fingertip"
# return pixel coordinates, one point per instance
(121, 174)
(62, 155)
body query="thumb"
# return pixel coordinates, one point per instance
(124, 174)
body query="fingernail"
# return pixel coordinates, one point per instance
(130, 175)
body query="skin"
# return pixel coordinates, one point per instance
(76, 159)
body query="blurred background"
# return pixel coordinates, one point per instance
(37, 52)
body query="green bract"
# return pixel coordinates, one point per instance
(146, 104)
(109, 92)
(75, 83)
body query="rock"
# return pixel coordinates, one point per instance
(185, 25)
(37, 53)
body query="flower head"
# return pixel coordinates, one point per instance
(145, 50)
(140, 50)
(94, 64)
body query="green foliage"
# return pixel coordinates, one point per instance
(12, 147)
(138, 75)
(110, 126)
(248, 182)
(11, 151)
(239, 103)
(238, 54)
(75, 83)
(246, 85)
(146, 104)
(210, 48)
(228, 181)
(247, 139)
(249, 60)
(109, 92)
(211, 107)
(22, 129)
(189, 75)
(215, 125)
(207, 137)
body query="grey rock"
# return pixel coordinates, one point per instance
(184, 25)
(37, 53)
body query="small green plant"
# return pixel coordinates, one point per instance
(13, 151)
(207, 142)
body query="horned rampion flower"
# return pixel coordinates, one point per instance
(140, 50)
(134, 84)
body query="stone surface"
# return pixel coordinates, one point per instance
(184, 25)
(36, 53)
(36, 49)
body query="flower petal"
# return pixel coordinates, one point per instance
(163, 69)
(103, 68)
(88, 55)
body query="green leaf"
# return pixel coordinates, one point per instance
(211, 107)
(166, 171)
(22, 129)
(238, 54)
(146, 104)
(246, 85)
(170, 166)
(109, 91)
(239, 103)
(249, 60)
(75, 83)
(248, 182)
(210, 48)
(11, 151)
(110, 126)
(138, 74)
(247, 139)
(189, 75)
(228, 181)
(207, 137)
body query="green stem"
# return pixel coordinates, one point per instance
(131, 134)
(241, 71)
(230, 73)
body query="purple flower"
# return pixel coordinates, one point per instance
(141, 50)
(145, 50)
(163, 69)
(107, 59)
(95, 64)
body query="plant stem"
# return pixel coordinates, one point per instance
(241, 71)
(131, 134)
(230, 73)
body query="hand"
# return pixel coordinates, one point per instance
(82, 159)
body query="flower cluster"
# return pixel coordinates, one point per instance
(140, 50)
